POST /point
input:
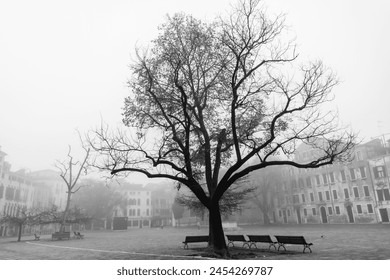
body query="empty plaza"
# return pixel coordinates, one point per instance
(331, 242)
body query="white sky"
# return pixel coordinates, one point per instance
(64, 64)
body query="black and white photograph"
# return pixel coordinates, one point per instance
(245, 133)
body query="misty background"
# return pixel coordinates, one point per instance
(64, 65)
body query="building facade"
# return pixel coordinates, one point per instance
(162, 198)
(136, 206)
(357, 192)
(145, 206)
(50, 189)
(380, 173)
(23, 190)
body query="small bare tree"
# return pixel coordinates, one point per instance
(24, 216)
(70, 171)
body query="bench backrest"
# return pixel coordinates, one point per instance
(260, 238)
(290, 239)
(197, 238)
(61, 234)
(236, 238)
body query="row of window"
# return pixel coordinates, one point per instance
(135, 193)
(20, 180)
(13, 194)
(328, 196)
(137, 212)
(359, 210)
(383, 194)
(161, 202)
(12, 210)
(133, 201)
(330, 178)
(330, 211)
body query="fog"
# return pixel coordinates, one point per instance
(64, 66)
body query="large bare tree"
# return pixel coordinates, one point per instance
(207, 96)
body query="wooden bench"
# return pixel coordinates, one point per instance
(237, 238)
(78, 235)
(295, 240)
(60, 235)
(36, 236)
(253, 239)
(195, 239)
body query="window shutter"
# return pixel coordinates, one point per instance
(380, 195)
(376, 174)
(386, 194)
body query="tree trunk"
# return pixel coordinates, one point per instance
(266, 218)
(20, 232)
(65, 216)
(216, 234)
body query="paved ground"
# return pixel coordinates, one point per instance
(338, 242)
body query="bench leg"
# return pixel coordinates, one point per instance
(271, 245)
(306, 247)
(252, 244)
(185, 246)
(281, 245)
(230, 242)
(247, 244)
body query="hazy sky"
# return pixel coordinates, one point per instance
(64, 64)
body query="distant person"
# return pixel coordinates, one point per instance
(198, 225)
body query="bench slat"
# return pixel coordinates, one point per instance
(238, 238)
(294, 240)
(195, 239)
(253, 239)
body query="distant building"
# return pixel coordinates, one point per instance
(16, 193)
(136, 207)
(145, 206)
(380, 167)
(50, 189)
(357, 192)
(162, 197)
(26, 190)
